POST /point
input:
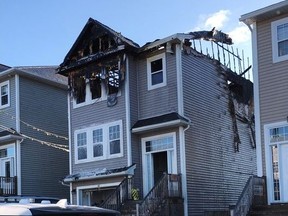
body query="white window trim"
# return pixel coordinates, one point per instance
(3, 84)
(106, 146)
(274, 26)
(14, 156)
(149, 60)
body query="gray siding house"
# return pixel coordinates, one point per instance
(33, 132)
(269, 27)
(164, 121)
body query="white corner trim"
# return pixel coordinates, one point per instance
(179, 80)
(17, 123)
(128, 118)
(259, 155)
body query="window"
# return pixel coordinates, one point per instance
(279, 31)
(156, 71)
(99, 143)
(4, 90)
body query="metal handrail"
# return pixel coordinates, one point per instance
(121, 193)
(168, 186)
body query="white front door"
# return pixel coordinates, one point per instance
(159, 156)
(7, 167)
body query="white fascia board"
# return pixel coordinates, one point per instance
(11, 137)
(249, 17)
(175, 37)
(160, 125)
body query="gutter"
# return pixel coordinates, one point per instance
(160, 125)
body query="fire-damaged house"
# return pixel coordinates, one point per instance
(158, 128)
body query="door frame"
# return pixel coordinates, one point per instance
(269, 163)
(171, 159)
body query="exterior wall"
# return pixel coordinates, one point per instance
(42, 167)
(96, 114)
(160, 100)
(216, 174)
(5, 119)
(273, 100)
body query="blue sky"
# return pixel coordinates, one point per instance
(41, 32)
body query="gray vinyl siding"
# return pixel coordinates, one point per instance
(216, 174)
(7, 114)
(45, 107)
(160, 100)
(135, 142)
(273, 81)
(96, 114)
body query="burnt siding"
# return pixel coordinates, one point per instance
(96, 114)
(5, 119)
(216, 174)
(273, 81)
(160, 100)
(44, 107)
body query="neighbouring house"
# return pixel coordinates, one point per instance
(164, 121)
(33, 132)
(269, 27)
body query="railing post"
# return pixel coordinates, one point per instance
(137, 209)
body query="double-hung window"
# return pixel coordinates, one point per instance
(4, 90)
(279, 31)
(99, 143)
(156, 71)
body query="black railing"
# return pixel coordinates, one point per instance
(8, 186)
(168, 186)
(122, 193)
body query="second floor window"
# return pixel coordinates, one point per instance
(279, 30)
(99, 143)
(4, 90)
(156, 71)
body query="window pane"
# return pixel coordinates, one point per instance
(98, 150)
(157, 78)
(156, 65)
(98, 143)
(115, 147)
(275, 172)
(81, 139)
(82, 153)
(283, 48)
(97, 136)
(4, 95)
(282, 32)
(159, 144)
(114, 132)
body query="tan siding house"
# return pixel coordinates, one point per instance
(269, 28)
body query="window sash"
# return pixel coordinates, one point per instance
(102, 142)
(156, 71)
(279, 30)
(4, 94)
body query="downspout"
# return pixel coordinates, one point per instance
(256, 99)
(128, 118)
(181, 129)
(18, 142)
(70, 144)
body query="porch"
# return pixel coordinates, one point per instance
(165, 198)
(8, 186)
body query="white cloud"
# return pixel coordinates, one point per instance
(217, 19)
(240, 34)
